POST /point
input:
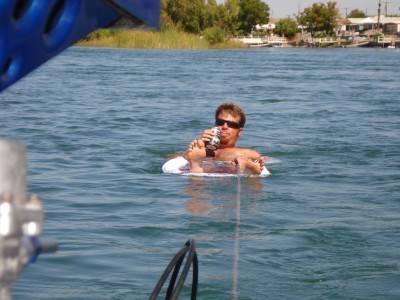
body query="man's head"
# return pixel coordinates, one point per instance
(230, 119)
(234, 110)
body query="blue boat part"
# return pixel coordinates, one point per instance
(34, 31)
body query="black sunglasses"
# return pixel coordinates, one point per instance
(231, 124)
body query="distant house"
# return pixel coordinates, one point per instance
(350, 26)
(360, 24)
(267, 27)
(389, 25)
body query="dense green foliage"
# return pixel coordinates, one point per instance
(320, 18)
(251, 13)
(191, 15)
(199, 16)
(356, 13)
(286, 27)
(215, 35)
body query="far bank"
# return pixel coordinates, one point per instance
(168, 39)
(175, 39)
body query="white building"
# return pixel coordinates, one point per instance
(388, 25)
(265, 27)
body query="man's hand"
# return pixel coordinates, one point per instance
(206, 135)
(246, 165)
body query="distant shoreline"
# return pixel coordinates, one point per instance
(170, 39)
(173, 39)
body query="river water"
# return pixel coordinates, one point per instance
(98, 124)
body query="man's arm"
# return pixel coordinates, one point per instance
(248, 161)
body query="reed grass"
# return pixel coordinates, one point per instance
(164, 39)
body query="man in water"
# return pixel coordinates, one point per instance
(230, 120)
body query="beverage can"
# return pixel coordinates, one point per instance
(213, 144)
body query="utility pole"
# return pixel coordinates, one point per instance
(346, 8)
(379, 13)
(386, 3)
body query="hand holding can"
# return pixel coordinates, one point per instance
(213, 144)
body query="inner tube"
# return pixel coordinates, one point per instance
(180, 165)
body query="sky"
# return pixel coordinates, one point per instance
(287, 8)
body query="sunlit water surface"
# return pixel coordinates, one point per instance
(98, 124)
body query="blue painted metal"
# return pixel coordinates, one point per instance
(145, 10)
(34, 31)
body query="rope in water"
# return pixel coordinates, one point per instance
(190, 247)
(237, 237)
(175, 263)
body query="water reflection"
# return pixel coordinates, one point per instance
(225, 199)
(208, 195)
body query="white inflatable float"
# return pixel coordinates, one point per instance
(180, 165)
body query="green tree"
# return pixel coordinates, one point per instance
(211, 14)
(286, 27)
(252, 12)
(215, 35)
(228, 14)
(190, 15)
(215, 31)
(320, 18)
(166, 21)
(356, 13)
